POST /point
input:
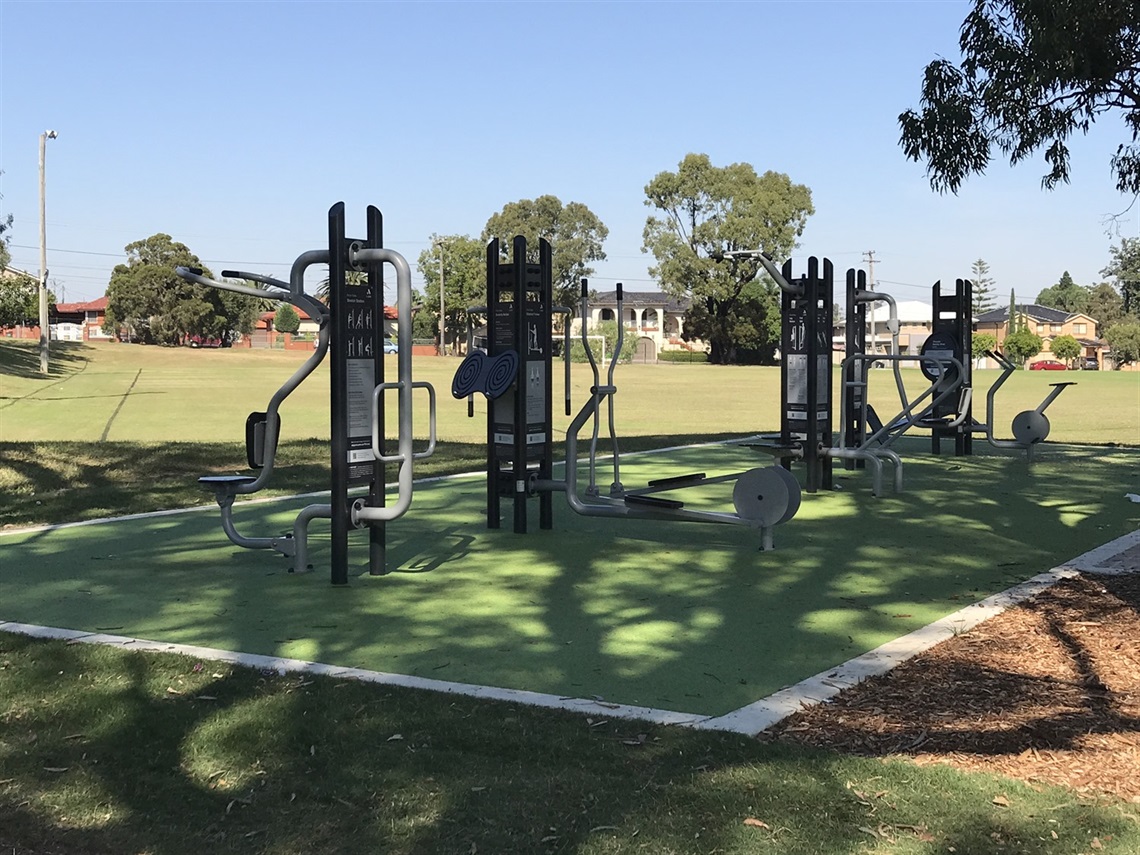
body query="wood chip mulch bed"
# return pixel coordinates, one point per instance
(1048, 691)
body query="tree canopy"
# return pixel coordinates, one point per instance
(286, 319)
(1124, 339)
(1124, 267)
(159, 307)
(704, 211)
(1066, 295)
(1021, 344)
(1033, 73)
(464, 280)
(1106, 306)
(20, 300)
(1065, 347)
(576, 235)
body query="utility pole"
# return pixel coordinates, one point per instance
(45, 332)
(869, 257)
(442, 351)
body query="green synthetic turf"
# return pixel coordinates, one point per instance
(669, 615)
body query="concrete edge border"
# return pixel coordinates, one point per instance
(284, 666)
(751, 719)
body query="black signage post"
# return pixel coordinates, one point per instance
(854, 387)
(519, 303)
(953, 323)
(805, 368)
(356, 366)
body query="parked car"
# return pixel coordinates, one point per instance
(391, 346)
(1048, 365)
(1090, 364)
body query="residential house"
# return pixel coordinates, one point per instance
(916, 319)
(80, 321)
(1047, 324)
(657, 320)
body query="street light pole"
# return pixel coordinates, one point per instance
(45, 333)
(442, 350)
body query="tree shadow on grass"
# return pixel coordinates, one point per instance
(21, 358)
(124, 751)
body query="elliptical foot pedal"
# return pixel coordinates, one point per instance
(654, 502)
(213, 482)
(678, 480)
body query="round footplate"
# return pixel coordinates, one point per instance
(491, 375)
(1030, 427)
(501, 373)
(769, 496)
(468, 375)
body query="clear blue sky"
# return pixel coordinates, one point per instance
(233, 126)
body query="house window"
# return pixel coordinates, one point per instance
(1054, 328)
(1041, 328)
(1079, 329)
(606, 315)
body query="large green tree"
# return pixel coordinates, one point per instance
(576, 235)
(1106, 306)
(981, 344)
(1033, 74)
(147, 297)
(1021, 344)
(1124, 339)
(703, 211)
(19, 293)
(464, 281)
(982, 291)
(1066, 348)
(20, 300)
(1066, 295)
(1124, 267)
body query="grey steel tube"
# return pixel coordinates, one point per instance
(404, 382)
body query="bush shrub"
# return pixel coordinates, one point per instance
(682, 356)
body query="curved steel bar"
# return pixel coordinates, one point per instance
(301, 534)
(283, 544)
(196, 277)
(403, 385)
(272, 419)
(906, 414)
(256, 277)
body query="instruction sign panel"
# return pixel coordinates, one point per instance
(360, 353)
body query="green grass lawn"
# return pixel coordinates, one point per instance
(106, 751)
(133, 393)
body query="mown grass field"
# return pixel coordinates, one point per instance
(110, 392)
(106, 751)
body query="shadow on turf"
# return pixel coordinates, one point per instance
(244, 762)
(20, 358)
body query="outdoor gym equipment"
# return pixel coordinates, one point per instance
(1030, 427)
(805, 375)
(951, 336)
(263, 429)
(515, 376)
(519, 463)
(351, 328)
(805, 367)
(762, 497)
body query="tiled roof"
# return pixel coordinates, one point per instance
(1037, 313)
(96, 305)
(633, 299)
